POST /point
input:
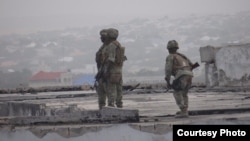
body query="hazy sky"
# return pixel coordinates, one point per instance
(22, 16)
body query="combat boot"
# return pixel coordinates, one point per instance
(111, 105)
(178, 112)
(101, 106)
(119, 106)
(182, 114)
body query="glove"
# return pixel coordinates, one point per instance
(169, 85)
(166, 79)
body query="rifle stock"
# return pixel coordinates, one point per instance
(195, 65)
(134, 87)
(99, 74)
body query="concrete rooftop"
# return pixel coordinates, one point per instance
(156, 109)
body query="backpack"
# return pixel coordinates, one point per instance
(120, 54)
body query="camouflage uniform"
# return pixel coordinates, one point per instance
(179, 66)
(110, 85)
(100, 57)
(114, 71)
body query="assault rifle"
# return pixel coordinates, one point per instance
(195, 65)
(133, 87)
(101, 71)
(99, 75)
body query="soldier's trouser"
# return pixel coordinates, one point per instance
(119, 95)
(102, 93)
(181, 95)
(111, 93)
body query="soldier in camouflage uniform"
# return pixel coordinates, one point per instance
(100, 57)
(179, 66)
(114, 69)
(110, 84)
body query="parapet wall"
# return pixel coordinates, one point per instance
(227, 66)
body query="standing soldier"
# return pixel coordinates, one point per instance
(109, 60)
(114, 64)
(100, 81)
(179, 66)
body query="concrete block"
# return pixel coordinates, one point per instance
(89, 116)
(119, 114)
(25, 109)
(4, 111)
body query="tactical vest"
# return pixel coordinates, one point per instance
(100, 56)
(180, 62)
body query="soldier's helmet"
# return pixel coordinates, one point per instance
(113, 33)
(172, 44)
(104, 32)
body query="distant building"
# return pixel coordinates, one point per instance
(50, 79)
